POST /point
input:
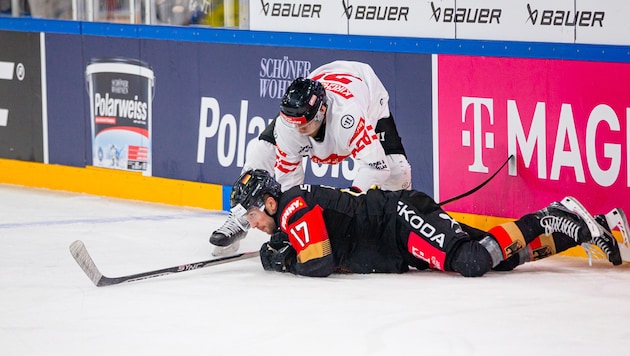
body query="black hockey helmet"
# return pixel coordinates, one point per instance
(249, 189)
(302, 101)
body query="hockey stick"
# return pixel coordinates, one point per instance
(81, 255)
(477, 187)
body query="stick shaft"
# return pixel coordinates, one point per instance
(83, 258)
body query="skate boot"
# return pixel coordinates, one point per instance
(600, 230)
(226, 239)
(607, 242)
(617, 220)
(562, 217)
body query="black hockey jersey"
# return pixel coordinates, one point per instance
(335, 230)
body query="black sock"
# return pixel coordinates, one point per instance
(530, 227)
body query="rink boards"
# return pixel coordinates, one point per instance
(165, 114)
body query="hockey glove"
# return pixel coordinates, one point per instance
(278, 254)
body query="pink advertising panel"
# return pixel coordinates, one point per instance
(566, 122)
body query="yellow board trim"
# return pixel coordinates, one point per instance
(112, 183)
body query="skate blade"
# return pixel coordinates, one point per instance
(593, 253)
(220, 251)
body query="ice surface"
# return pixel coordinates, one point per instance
(559, 306)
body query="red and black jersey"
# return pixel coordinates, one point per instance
(335, 230)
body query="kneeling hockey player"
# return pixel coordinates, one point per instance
(318, 230)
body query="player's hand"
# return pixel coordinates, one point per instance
(278, 254)
(278, 240)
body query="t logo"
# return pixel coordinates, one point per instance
(6, 73)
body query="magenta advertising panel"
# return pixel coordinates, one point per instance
(566, 122)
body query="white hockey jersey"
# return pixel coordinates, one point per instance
(356, 100)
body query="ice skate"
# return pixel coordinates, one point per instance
(226, 238)
(600, 230)
(578, 209)
(606, 241)
(616, 219)
(566, 218)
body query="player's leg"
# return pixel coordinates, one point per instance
(261, 154)
(600, 229)
(548, 245)
(541, 247)
(430, 235)
(556, 228)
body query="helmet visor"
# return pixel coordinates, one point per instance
(293, 121)
(240, 213)
(302, 124)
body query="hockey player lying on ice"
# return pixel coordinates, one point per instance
(318, 230)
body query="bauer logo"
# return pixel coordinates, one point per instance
(286, 9)
(571, 18)
(465, 14)
(308, 16)
(374, 12)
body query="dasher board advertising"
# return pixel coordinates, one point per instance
(566, 122)
(520, 20)
(613, 28)
(121, 93)
(21, 117)
(188, 110)
(406, 18)
(313, 16)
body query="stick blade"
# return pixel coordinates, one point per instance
(83, 258)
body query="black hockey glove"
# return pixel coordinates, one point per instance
(278, 254)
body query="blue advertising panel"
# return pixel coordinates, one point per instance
(205, 102)
(66, 100)
(239, 90)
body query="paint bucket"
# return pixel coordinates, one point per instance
(121, 96)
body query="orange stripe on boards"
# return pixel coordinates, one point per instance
(112, 183)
